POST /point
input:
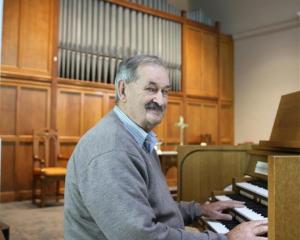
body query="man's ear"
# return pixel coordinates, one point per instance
(121, 90)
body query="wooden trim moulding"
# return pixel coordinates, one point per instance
(24, 76)
(197, 97)
(7, 196)
(176, 94)
(69, 139)
(8, 138)
(16, 82)
(81, 83)
(148, 10)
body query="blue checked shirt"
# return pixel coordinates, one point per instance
(145, 140)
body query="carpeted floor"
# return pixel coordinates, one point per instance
(28, 222)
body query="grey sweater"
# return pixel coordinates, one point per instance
(115, 190)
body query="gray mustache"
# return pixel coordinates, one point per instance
(154, 106)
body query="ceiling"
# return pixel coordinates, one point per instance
(238, 16)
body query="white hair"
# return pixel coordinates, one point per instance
(127, 70)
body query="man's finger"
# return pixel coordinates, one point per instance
(261, 238)
(261, 229)
(260, 222)
(225, 217)
(232, 204)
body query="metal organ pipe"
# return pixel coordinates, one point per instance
(94, 36)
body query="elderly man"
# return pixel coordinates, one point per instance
(115, 188)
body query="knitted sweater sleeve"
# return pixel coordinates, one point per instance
(114, 191)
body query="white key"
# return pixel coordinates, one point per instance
(218, 227)
(253, 188)
(244, 211)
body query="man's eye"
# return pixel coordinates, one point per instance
(165, 91)
(153, 90)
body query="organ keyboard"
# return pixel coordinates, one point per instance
(272, 186)
(255, 208)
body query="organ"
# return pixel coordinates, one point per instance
(265, 176)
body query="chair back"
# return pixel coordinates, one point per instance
(46, 146)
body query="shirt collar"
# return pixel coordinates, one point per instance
(136, 131)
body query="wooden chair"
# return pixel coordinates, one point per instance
(46, 170)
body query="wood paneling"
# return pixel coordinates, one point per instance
(8, 166)
(36, 102)
(27, 36)
(36, 47)
(226, 68)
(209, 65)
(192, 55)
(201, 62)
(23, 166)
(68, 113)
(202, 118)
(79, 109)
(25, 105)
(209, 120)
(197, 169)
(8, 98)
(10, 37)
(92, 110)
(160, 130)
(174, 111)
(283, 204)
(109, 102)
(193, 119)
(166, 131)
(66, 150)
(226, 123)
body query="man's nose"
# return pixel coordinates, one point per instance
(159, 98)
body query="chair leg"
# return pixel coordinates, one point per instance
(33, 190)
(43, 193)
(57, 191)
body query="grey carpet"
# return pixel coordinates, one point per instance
(28, 222)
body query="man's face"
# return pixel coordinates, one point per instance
(146, 98)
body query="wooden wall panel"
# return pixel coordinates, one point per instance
(27, 36)
(10, 30)
(36, 103)
(226, 68)
(284, 197)
(226, 123)
(68, 113)
(167, 133)
(209, 65)
(202, 118)
(8, 166)
(66, 150)
(92, 110)
(160, 130)
(8, 98)
(174, 111)
(201, 62)
(23, 166)
(193, 119)
(25, 105)
(35, 34)
(192, 55)
(197, 169)
(109, 102)
(209, 120)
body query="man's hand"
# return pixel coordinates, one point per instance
(214, 210)
(249, 231)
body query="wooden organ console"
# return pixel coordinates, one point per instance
(266, 176)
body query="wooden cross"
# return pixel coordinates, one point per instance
(182, 126)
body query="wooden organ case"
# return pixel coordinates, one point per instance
(267, 175)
